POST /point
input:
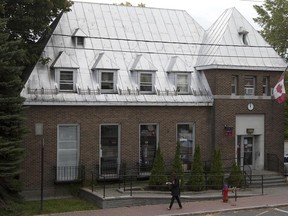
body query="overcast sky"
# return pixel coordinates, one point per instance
(205, 12)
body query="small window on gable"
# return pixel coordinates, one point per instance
(79, 37)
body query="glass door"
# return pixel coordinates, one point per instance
(245, 150)
(109, 150)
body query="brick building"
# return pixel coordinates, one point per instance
(122, 81)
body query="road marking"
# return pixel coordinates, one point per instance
(280, 210)
(262, 213)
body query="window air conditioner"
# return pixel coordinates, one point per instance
(249, 91)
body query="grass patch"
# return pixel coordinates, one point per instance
(57, 206)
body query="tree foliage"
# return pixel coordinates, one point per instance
(177, 167)
(273, 18)
(29, 20)
(236, 177)
(11, 118)
(22, 23)
(129, 4)
(158, 173)
(197, 179)
(216, 174)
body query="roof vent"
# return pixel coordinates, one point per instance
(243, 32)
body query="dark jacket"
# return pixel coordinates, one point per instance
(175, 189)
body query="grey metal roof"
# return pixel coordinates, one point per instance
(224, 47)
(129, 39)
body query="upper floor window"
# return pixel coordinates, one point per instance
(182, 83)
(265, 86)
(234, 85)
(249, 85)
(107, 81)
(79, 41)
(146, 82)
(66, 80)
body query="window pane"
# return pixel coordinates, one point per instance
(67, 153)
(66, 81)
(107, 80)
(146, 82)
(185, 138)
(182, 83)
(148, 145)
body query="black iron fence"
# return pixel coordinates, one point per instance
(132, 184)
(69, 173)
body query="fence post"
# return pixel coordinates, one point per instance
(92, 182)
(104, 187)
(262, 185)
(131, 185)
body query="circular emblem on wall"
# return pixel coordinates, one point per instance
(250, 106)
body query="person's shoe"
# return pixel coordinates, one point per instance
(168, 208)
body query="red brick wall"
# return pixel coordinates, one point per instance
(90, 118)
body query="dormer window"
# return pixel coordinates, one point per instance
(79, 37)
(182, 83)
(146, 82)
(65, 70)
(143, 73)
(107, 81)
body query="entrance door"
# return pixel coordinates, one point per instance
(245, 150)
(109, 150)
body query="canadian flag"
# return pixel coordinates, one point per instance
(279, 90)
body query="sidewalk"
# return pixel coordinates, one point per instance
(273, 197)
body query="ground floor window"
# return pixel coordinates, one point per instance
(148, 146)
(185, 136)
(67, 152)
(109, 149)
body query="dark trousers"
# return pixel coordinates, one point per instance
(172, 201)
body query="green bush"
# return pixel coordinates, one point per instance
(236, 177)
(177, 167)
(158, 173)
(216, 175)
(196, 180)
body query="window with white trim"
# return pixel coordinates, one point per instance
(234, 85)
(67, 152)
(185, 137)
(249, 85)
(146, 82)
(182, 83)
(148, 147)
(66, 80)
(107, 79)
(265, 86)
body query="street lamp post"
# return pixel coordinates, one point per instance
(39, 132)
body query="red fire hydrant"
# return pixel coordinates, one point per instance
(225, 191)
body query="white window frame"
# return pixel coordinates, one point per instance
(265, 86)
(145, 151)
(179, 89)
(113, 89)
(73, 173)
(234, 85)
(79, 41)
(73, 82)
(181, 139)
(150, 84)
(249, 89)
